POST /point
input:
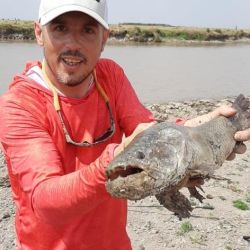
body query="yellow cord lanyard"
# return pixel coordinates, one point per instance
(55, 94)
(110, 131)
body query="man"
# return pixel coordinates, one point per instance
(62, 122)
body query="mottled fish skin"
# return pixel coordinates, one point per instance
(149, 164)
(160, 160)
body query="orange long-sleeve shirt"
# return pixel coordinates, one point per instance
(59, 189)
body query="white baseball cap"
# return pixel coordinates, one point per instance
(50, 9)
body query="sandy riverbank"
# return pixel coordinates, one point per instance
(219, 225)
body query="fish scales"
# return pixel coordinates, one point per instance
(161, 159)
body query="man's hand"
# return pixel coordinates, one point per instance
(226, 111)
(140, 128)
(222, 110)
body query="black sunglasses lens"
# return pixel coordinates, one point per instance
(105, 136)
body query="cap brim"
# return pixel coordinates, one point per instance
(64, 9)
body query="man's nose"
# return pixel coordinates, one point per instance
(73, 42)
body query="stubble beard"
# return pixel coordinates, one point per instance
(69, 79)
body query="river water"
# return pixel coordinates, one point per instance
(159, 73)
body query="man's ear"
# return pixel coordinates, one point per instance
(38, 33)
(105, 38)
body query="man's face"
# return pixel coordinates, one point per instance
(72, 45)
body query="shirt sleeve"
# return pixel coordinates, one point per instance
(76, 193)
(35, 163)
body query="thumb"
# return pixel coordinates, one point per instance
(224, 110)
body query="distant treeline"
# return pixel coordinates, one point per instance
(136, 32)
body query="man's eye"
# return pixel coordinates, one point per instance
(60, 28)
(89, 30)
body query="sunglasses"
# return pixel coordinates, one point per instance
(102, 138)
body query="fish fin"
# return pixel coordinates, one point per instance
(194, 193)
(176, 202)
(201, 189)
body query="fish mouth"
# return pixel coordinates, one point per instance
(130, 182)
(123, 172)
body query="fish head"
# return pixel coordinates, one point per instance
(150, 163)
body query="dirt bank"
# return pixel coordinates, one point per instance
(127, 33)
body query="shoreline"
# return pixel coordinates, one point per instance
(140, 34)
(125, 42)
(169, 42)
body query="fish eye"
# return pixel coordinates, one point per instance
(140, 155)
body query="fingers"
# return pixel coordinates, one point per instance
(142, 126)
(227, 112)
(242, 135)
(126, 141)
(224, 110)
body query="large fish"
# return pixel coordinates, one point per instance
(161, 160)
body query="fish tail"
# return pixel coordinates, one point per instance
(242, 117)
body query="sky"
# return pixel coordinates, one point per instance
(194, 13)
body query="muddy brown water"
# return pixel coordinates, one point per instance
(159, 73)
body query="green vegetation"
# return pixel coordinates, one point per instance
(240, 205)
(198, 239)
(185, 228)
(16, 30)
(135, 32)
(164, 33)
(228, 248)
